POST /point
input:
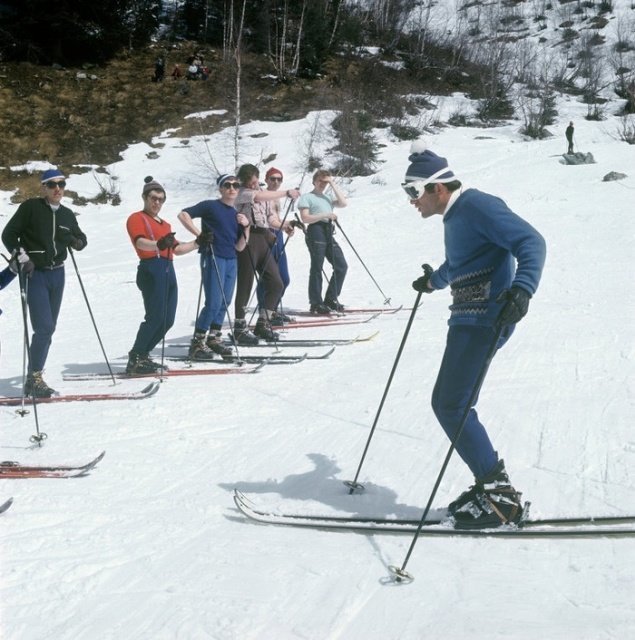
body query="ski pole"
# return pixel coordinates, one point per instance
(22, 411)
(90, 311)
(39, 436)
(334, 275)
(353, 485)
(386, 299)
(25, 360)
(293, 223)
(165, 312)
(198, 302)
(400, 573)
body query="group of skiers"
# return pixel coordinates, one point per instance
(241, 237)
(494, 260)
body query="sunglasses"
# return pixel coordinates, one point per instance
(157, 199)
(275, 178)
(230, 185)
(51, 184)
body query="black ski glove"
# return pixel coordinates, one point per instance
(205, 238)
(515, 305)
(66, 237)
(166, 242)
(421, 284)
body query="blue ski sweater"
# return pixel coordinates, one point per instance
(488, 248)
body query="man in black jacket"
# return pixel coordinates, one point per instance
(44, 229)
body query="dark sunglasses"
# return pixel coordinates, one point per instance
(51, 184)
(230, 185)
(275, 179)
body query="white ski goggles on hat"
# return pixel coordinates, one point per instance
(415, 188)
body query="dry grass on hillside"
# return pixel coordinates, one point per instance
(72, 117)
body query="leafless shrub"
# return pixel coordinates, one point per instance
(108, 188)
(626, 129)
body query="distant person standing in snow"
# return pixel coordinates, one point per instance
(494, 260)
(316, 210)
(218, 263)
(155, 245)
(45, 229)
(569, 135)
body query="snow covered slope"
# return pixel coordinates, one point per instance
(150, 545)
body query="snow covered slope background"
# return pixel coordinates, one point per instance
(150, 546)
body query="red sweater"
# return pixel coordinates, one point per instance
(143, 225)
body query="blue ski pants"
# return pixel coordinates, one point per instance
(45, 289)
(465, 356)
(156, 280)
(219, 281)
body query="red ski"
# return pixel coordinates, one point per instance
(350, 311)
(146, 392)
(12, 469)
(326, 321)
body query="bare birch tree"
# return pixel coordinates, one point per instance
(238, 62)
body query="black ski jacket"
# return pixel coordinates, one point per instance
(36, 228)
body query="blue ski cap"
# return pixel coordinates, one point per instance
(223, 178)
(426, 167)
(52, 174)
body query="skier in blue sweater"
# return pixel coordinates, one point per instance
(494, 260)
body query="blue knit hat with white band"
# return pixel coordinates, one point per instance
(427, 167)
(223, 177)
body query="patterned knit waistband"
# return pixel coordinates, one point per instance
(477, 292)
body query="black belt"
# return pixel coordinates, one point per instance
(54, 266)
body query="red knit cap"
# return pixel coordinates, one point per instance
(273, 171)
